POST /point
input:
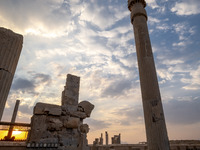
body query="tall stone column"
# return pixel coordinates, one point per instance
(156, 131)
(106, 134)
(10, 49)
(70, 94)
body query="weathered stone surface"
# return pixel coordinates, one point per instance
(87, 107)
(72, 122)
(63, 118)
(156, 130)
(49, 140)
(79, 114)
(38, 127)
(63, 125)
(44, 109)
(10, 49)
(84, 128)
(71, 92)
(72, 108)
(54, 124)
(116, 139)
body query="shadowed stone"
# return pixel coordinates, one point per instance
(62, 125)
(38, 127)
(87, 107)
(84, 128)
(71, 91)
(156, 131)
(10, 49)
(72, 122)
(43, 108)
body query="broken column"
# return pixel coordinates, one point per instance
(70, 94)
(62, 125)
(101, 139)
(156, 130)
(106, 134)
(10, 49)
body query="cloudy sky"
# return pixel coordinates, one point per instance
(94, 39)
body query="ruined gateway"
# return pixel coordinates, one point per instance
(61, 126)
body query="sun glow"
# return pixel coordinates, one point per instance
(16, 132)
(19, 135)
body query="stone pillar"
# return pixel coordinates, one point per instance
(106, 138)
(101, 139)
(13, 119)
(70, 94)
(119, 138)
(156, 131)
(10, 49)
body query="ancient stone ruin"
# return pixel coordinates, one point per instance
(116, 139)
(10, 50)
(62, 126)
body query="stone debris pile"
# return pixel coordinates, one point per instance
(62, 125)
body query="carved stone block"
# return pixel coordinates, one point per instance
(44, 109)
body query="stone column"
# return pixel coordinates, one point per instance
(156, 131)
(70, 94)
(101, 139)
(119, 139)
(13, 119)
(10, 49)
(106, 134)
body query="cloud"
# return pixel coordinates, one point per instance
(37, 17)
(193, 81)
(97, 124)
(184, 31)
(183, 112)
(99, 12)
(131, 115)
(117, 88)
(22, 84)
(30, 86)
(152, 3)
(186, 7)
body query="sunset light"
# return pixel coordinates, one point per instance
(95, 40)
(19, 135)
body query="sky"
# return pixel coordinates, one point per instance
(94, 39)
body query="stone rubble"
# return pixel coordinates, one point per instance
(62, 125)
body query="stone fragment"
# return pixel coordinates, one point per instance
(87, 107)
(84, 128)
(79, 114)
(44, 109)
(71, 91)
(72, 122)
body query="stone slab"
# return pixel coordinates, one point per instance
(44, 109)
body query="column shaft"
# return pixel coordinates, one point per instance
(156, 131)
(10, 49)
